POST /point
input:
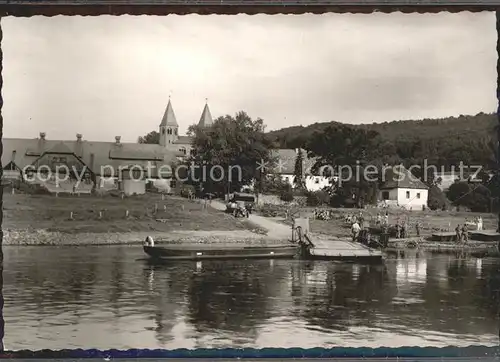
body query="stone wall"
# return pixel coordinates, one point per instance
(44, 237)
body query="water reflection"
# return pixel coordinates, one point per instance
(105, 297)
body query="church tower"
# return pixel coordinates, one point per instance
(169, 128)
(206, 117)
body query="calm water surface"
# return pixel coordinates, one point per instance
(110, 297)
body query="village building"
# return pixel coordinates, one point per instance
(400, 188)
(284, 166)
(448, 178)
(122, 165)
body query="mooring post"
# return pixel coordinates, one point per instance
(126, 213)
(100, 214)
(71, 215)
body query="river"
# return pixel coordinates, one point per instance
(110, 297)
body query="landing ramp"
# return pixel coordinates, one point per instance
(339, 249)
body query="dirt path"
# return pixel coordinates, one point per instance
(275, 229)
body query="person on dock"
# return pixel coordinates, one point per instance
(458, 234)
(465, 233)
(355, 229)
(404, 230)
(398, 231)
(479, 223)
(417, 228)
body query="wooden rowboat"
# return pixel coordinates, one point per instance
(211, 251)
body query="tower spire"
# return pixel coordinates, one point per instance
(168, 127)
(169, 118)
(206, 117)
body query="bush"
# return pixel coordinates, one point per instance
(437, 199)
(270, 210)
(318, 198)
(286, 195)
(274, 185)
(33, 189)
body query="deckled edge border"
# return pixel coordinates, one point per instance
(403, 352)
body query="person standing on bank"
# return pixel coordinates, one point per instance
(458, 234)
(355, 231)
(465, 233)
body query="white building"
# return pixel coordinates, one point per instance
(285, 167)
(448, 178)
(402, 189)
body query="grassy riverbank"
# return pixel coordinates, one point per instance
(97, 219)
(430, 221)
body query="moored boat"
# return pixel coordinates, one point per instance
(219, 251)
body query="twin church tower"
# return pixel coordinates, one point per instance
(169, 129)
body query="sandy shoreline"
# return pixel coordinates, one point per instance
(43, 237)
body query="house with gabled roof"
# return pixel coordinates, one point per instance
(402, 189)
(284, 165)
(100, 161)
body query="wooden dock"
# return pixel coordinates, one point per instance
(446, 236)
(330, 248)
(343, 250)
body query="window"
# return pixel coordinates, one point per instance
(172, 184)
(418, 195)
(59, 159)
(385, 195)
(316, 180)
(175, 131)
(183, 150)
(163, 131)
(407, 194)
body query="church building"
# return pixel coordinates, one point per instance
(102, 163)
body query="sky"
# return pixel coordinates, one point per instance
(111, 76)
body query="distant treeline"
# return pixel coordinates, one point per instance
(442, 142)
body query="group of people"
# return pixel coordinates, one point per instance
(352, 219)
(239, 208)
(382, 220)
(478, 221)
(462, 233)
(402, 227)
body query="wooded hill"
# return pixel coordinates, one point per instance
(445, 141)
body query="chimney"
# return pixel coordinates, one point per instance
(117, 139)
(79, 145)
(42, 135)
